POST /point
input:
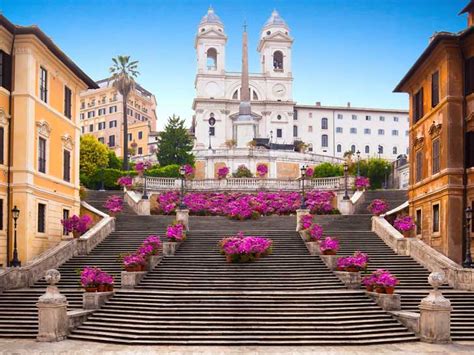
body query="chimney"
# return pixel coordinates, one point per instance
(469, 10)
(318, 103)
(348, 104)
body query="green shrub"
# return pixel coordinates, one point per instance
(328, 170)
(242, 172)
(110, 177)
(114, 161)
(165, 171)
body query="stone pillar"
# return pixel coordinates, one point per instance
(131, 279)
(330, 261)
(387, 302)
(299, 213)
(345, 207)
(435, 313)
(53, 322)
(169, 248)
(183, 217)
(152, 262)
(352, 280)
(95, 300)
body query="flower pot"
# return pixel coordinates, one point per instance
(406, 234)
(389, 290)
(132, 268)
(228, 258)
(110, 288)
(379, 289)
(101, 288)
(329, 252)
(370, 288)
(90, 289)
(352, 269)
(76, 234)
(141, 267)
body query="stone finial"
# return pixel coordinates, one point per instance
(52, 276)
(436, 279)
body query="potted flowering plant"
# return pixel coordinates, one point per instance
(309, 173)
(125, 181)
(385, 282)
(262, 170)
(370, 281)
(354, 263)
(315, 233)
(77, 225)
(188, 171)
(176, 232)
(142, 166)
(306, 221)
(404, 224)
(329, 246)
(114, 205)
(361, 183)
(378, 207)
(240, 249)
(105, 282)
(222, 172)
(88, 279)
(134, 262)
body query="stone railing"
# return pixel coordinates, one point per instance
(245, 184)
(12, 278)
(457, 276)
(140, 206)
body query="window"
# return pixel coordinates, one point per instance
(129, 112)
(67, 102)
(324, 141)
(418, 222)
(339, 148)
(419, 166)
(67, 165)
(469, 75)
(340, 116)
(436, 218)
(81, 116)
(469, 150)
(90, 114)
(278, 61)
(279, 133)
(279, 117)
(339, 130)
(43, 85)
(395, 150)
(295, 115)
(353, 130)
(212, 131)
(83, 105)
(2, 145)
(101, 126)
(435, 157)
(140, 135)
(91, 128)
(41, 218)
(65, 216)
(113, 124)
(310, 128)
(112, 141)
(140, 150)
(367, 149)
(101, 140)
(137, 115)
(83, 129)
(310, 115)
(130, 137)
(5, 70)
(1, 214)
(368, 118)
(42, 155)
(381, 132)
(382, 118)
(295, 131)
(353, 148)
(102, 111)
(435, 89)
(418, 106)
(367, 131)
(324, 123)
(354, 117)
(394, 132)
(112, 109)
(395, 119)
(380, 149)
(211, 59)
(407, 133)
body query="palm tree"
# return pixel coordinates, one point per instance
(123, 73)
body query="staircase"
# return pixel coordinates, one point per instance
(394, 198)
(196, 298)
(97, 199)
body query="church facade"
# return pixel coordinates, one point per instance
(322, 133)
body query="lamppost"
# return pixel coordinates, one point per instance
(145, 194)
(15, 262)
(346, 169)
(386, 177)
(271, 136)
(468, 258)
(182, 172)
(358, 163)
(303, 176)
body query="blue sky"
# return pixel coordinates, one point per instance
(344, 50)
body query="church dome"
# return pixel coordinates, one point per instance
(275, 20)
(211, 18)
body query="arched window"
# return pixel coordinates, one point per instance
(235, 96)
(339, 148)
(254, 95)
(380, 149)
(324, 141)
(324, 123)
(367, 149)
(278, 61)
(310, 147)
(211, 59)
(395, 150)
(353, 148)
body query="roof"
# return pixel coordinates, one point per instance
(137, 87)
(211, 18)
(437, 38)
(35, 30)
(468, 8)
(351, 108)
(275, 20)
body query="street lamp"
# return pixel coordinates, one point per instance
(346, 169)
(182, 173)
(358, 163)
(303, 176)
(468, 258)
(144, 195)
(386, 177)
(15, 262)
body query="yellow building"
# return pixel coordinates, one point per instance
(39, 139)
(101, 114)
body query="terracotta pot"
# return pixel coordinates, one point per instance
(110, 288)
(389, 290)
(132, 268)
(228, 258)
(101, 288)
(370, 288)
(76, 234)
(329, 252)
(407, 234)
(379, 289)
(141, 268)
(91, 289)
(257, 256)
(352, 269)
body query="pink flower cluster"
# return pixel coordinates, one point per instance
(93, 277)
(262, 170)
(404, 223)
(329, 244)
(306, 221)
(142, 166)
(380, 278)
(175, 232)
(316, 232)
(356, 262)
(245, 206)
(150, 246)
(133, 260)
(125, 181)
(245, 249)
(222, 172)
(361, 182)
(77, 224)
(188, 170)
(378, 207)
(114, 204)
(309, 172)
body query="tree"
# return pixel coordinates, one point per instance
(114, 161)
(93, 156)
(175, 144)
(123, 74)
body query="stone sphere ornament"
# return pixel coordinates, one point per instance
(52, 276)
(436, 279)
